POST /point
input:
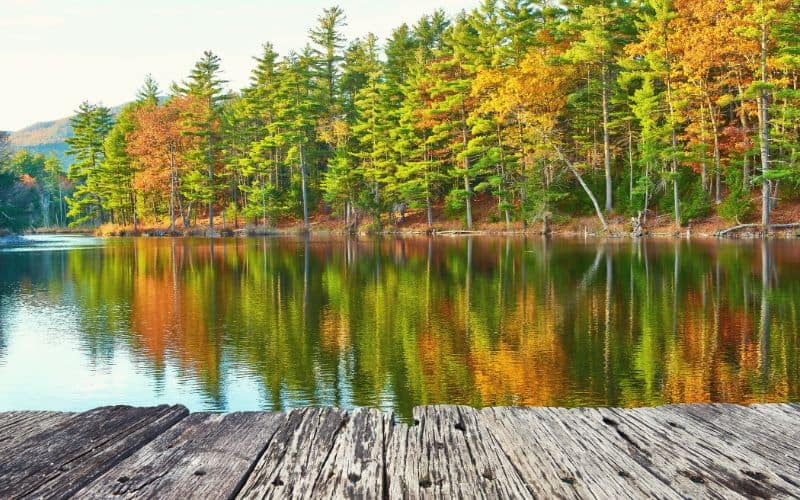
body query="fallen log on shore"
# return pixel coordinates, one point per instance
(739, 227)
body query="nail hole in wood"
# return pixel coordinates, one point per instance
(425, 482)
(694, 477)
(123, 479)
(568, 480)
(200, 472)
(610, 422)
(353, 477)
(758, 476)
(416, 421)
(277, 482)
(460, 426)
(622, 473)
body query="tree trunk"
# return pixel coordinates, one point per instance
(703, 169)
(607, 145)
(303, 186)
(504, 195)
(211, 182)
(583, 185)
(429, 210)
(673, 137)
(630, 165)
(746, 156)
(428, 207)
(764, 132)
(467, 186)
(715, 130)
(133, 213)
(172, 187)
(45, 203)
(263, 202)
(61, 205)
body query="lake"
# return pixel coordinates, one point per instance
(280, 322)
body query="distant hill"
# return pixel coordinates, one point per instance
(44, 137)
(47, 137)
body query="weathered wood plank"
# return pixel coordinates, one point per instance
(58, 461)
(560, 455)
(697, 464)
(770, 433)
(205, 455)
(355, 466)
(722, 451)
(17, 426)
(448, 453)
(294, 459)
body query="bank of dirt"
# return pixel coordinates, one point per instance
(486, 220)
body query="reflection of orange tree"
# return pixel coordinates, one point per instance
(529, 365)
(170, 308)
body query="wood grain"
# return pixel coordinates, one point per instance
(676, 451)
(61, 459)
(205, 455)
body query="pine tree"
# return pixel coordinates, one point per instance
(296, 117)
(655, 47)
(90, 126)
(451, 108)
(149, 92)
(328, 42)
(206, 85)
(117, 170)
(259, 169)
(416, 174)
(371, 132)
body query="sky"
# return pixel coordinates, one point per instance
(54, 54)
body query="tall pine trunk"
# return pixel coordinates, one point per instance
(171, 187)
(303, 185)
(607, 145)
(673, 135)
(467, 186)
(764, 132)
(211, 181)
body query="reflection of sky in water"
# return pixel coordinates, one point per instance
(278, 323)
(39, 243)
(44, 367)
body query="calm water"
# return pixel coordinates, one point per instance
(283, 322)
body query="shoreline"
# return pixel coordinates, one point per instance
(745, 232)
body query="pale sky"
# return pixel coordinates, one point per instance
(54, 54)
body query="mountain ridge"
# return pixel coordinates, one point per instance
(47, 137)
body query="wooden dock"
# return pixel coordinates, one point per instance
(697, 450)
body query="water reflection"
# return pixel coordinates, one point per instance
(279, 322)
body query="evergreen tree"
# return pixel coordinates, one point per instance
(206, 85)
(149, 92)
(90, 126)
(328, 41)
(117, 169)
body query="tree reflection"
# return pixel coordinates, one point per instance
(401, 322)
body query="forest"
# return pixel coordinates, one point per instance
(537, 111)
